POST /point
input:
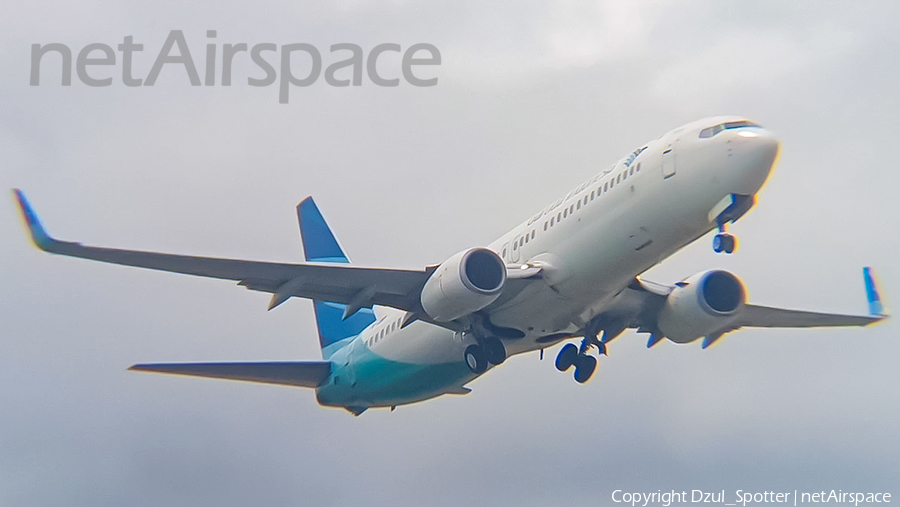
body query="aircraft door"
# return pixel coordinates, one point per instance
(668, 161)
(514, 251)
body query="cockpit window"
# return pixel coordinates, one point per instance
(711, 131)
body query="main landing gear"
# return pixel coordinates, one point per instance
(585, 364)
(485, 353)
(724, 242)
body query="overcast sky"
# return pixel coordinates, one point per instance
(532, 99)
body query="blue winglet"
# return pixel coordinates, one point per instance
(40, 237)
(875, 306)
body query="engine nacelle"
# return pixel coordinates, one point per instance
(463, 284)
(701, 305)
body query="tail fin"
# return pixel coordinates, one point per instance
(320, 245)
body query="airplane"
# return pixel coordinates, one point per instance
(570, 271)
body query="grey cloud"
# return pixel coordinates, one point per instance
(530, 102)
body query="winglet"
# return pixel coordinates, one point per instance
(876, 309)
(40, 237)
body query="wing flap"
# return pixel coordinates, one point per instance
(299, 374)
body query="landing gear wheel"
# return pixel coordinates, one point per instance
(584, 368)
(724, 242)
(494, 350)
(476, 359)
(730, 244)
(567, 356)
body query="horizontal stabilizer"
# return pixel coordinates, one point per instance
(301, 374)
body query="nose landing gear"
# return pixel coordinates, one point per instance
(740, 204)
(724, 242)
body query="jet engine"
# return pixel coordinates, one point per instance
(463, 284)
(700, 305)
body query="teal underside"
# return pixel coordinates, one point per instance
(370, 380)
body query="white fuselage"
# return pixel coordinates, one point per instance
(591, 244)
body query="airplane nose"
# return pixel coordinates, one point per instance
(759, 147)
(756, 152)
(763, 140)
(768, 147)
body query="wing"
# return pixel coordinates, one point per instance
(765, 316)
(340, 283)
(354, 286)
(300, 374)
(639, 304)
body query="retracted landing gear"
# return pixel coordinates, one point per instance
(489, 351)
(724, 242)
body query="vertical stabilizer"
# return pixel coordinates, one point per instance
(320, 245)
